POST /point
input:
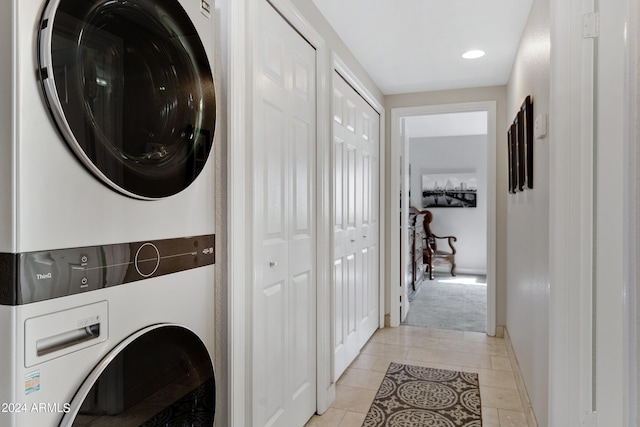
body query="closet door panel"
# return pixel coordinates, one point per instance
(284, 225)
(356, 226)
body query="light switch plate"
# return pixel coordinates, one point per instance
(540, 126)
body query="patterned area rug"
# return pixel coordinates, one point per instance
(412, 396)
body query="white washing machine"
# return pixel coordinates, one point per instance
(107, 213)
(133, 353)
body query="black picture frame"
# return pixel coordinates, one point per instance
(512, 157)
(454, 189)
(526, 110)
(520, 148)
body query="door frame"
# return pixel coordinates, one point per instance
(243, 22)
(396, 149)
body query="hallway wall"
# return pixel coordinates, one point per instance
(335, 44)
(528, 219)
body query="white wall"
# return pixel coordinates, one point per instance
(528, 220)
(335, 44)
(455, 154)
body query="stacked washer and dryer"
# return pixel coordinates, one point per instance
(107, 216)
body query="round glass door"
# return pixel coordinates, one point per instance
(130, 88)
(160, 376)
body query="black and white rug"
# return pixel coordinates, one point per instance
(412, 396)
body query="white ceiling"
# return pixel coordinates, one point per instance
(416, 45)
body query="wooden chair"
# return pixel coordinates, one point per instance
(431, 254)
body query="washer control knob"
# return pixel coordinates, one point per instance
(147, 259)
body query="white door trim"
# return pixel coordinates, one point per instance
(236, 213)
(242, 26)
(631, 136)
(613, 212)
(405, 255)
(394, 235)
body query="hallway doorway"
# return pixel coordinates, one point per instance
(479, 254)
(446, 161)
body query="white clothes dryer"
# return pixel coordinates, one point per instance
(107, 211)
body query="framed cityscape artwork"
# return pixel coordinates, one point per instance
(450, 190)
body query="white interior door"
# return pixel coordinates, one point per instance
(369, 224)
(284, 224)
(356, 145)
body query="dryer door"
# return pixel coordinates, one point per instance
(130, 88)
(161, 375)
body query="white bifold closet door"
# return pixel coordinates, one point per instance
(356, 148)
(284, 224)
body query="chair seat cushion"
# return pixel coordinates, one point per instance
(442, 253)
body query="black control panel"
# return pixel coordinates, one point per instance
(38, 276)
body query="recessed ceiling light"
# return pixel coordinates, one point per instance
(473, 54)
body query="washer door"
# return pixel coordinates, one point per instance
(130, 88)
(160, 376)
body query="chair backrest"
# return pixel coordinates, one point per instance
(428, 217)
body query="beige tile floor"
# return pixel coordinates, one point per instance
(461, 351)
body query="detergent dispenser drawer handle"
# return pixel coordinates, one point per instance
(67, 339)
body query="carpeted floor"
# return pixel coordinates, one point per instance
(454, 303)
(419, 396)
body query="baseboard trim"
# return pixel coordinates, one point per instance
(500, 331)
(522, 390)
(387, 320)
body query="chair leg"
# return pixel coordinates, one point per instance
(453, 268)
(431, 276)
